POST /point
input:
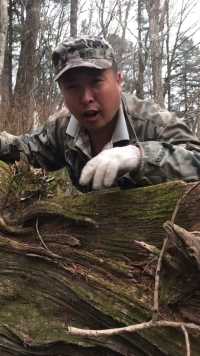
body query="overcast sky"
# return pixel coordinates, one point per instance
(192, 16)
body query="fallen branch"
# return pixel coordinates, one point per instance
(43, 243)
(187, 341)
(157, 280)
(130, 329)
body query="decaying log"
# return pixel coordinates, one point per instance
(89, 261)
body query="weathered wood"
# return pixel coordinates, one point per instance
(97, 271)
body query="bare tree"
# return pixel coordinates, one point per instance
(141, 64)
(107, 12)
(73, 18)
(23, 93)
(180, 37)
(32, 34)
(3, 31)
(156, 15)
(123, 14)
(6, 75)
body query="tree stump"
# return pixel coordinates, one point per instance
(89, 261)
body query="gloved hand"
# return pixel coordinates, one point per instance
(104, 168)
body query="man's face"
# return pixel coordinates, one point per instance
(92, 95)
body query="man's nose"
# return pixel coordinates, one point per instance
(87, 95)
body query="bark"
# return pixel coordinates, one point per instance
(73, 18)
(89, 261)
(7, 94)
(24, 88)
(141, 65)
(167, 86)
(3, 31)
(156, 24)
(185, 86)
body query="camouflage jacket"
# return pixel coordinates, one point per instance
(169, 149)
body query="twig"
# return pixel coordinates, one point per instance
(40, 236)
(130, 329)
(159, 264)
(43, 243)
(157, 280)
(187, 340)
(181, 200)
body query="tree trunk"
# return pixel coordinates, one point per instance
(7, 93)
(153, 9)
(89, 261)
(73, 18)
(3, 31)
(185, 86)
(23, 93)
(141, 65)
(167, 86)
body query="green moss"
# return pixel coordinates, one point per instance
(97, 293)
(142, 203)
(28, 320)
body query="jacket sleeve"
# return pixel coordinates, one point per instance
(43, 148)
(169, 149)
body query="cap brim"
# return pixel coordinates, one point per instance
(92, 63)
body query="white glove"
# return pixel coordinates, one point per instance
(103, 169)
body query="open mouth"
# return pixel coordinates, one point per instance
(91, 113)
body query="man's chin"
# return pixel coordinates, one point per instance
(93, 122)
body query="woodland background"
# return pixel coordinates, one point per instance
(155, 41)
(81, 261)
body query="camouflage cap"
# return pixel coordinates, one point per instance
(91, 52)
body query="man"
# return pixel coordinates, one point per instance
(108, 138)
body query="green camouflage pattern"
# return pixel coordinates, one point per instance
(169, 149)
(85, 51)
